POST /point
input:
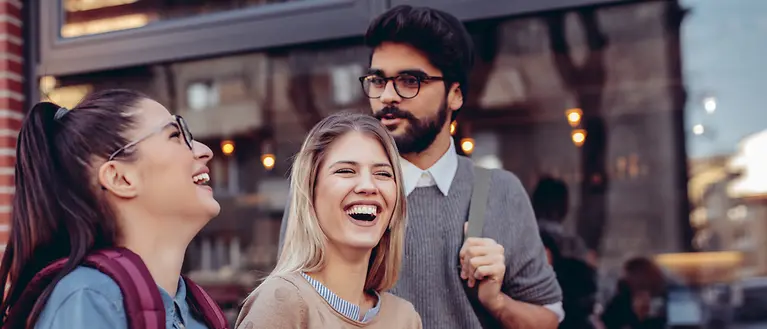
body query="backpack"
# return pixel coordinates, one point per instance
(141, 297)
(477, 207)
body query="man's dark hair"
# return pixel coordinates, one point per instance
(440, 36)
(550, 199)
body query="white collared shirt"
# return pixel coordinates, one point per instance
(442, 174)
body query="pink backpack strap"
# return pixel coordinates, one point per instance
(141, 298)
(204, 304)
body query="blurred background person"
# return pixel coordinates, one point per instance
(640, 301)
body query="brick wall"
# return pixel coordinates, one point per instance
(11, 103)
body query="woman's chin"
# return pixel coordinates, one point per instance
(211, 207)
(363, 244)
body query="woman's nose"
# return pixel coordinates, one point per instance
(365, 185)
(201, 151)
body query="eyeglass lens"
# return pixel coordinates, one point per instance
(405, 85)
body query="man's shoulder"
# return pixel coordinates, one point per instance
(501, 180)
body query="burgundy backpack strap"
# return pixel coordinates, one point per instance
(141, 297)
(18, 314)
(204, 304)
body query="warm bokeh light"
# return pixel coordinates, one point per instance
(467, 145)
(268, 161)
(574, 116)
(227, 147)
(579, 137)
(111, 24)
(47, 83)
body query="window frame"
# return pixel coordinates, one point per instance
(220, 33)
(200, 36)
(488, 9)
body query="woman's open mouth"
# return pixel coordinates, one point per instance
(201, 179)
(366, 213)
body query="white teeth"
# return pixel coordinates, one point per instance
(201, 178)
(362, 209)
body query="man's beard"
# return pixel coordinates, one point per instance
(419, 133)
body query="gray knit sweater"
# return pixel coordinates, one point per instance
(430, 270)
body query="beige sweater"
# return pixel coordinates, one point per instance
(290, 302)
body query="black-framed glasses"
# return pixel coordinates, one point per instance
(178, 122)
(406, 85)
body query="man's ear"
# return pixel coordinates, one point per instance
(455, 97)
(118, 178)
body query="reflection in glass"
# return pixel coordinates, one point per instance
(657, 131)
(88, 17)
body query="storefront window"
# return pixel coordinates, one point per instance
(649, 113)
(87, 17)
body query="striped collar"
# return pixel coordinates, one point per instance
(349, 310)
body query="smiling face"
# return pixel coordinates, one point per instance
(166, 178)
(355, 192)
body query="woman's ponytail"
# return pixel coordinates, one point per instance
(57, 210)
(35, 208)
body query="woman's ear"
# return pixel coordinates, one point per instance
(118, 178)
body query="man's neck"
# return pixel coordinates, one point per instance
(345, 276)
(432, 154)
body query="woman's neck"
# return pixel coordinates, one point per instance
(345, 277)
(164, 261)
(160, 242)
(161, 248)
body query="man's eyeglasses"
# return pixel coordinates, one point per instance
(406, 85)
(178, 123)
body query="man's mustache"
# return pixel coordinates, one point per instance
(394, 112)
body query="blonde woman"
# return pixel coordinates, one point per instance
(344, 238)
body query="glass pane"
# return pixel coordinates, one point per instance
(648, 112)
(87, 17)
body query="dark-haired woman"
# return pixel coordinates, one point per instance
(118, 170)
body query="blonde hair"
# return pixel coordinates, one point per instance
(304, 246)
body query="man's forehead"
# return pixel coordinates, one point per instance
(391, 58)
(383, 72)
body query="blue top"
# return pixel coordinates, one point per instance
(342, 306)
(87, 298)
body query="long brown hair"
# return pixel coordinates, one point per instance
(57, 211)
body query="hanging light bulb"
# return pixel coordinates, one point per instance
(227, 147)
(578, 136)
(467, 145)
(574, 116)
(268, 160)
